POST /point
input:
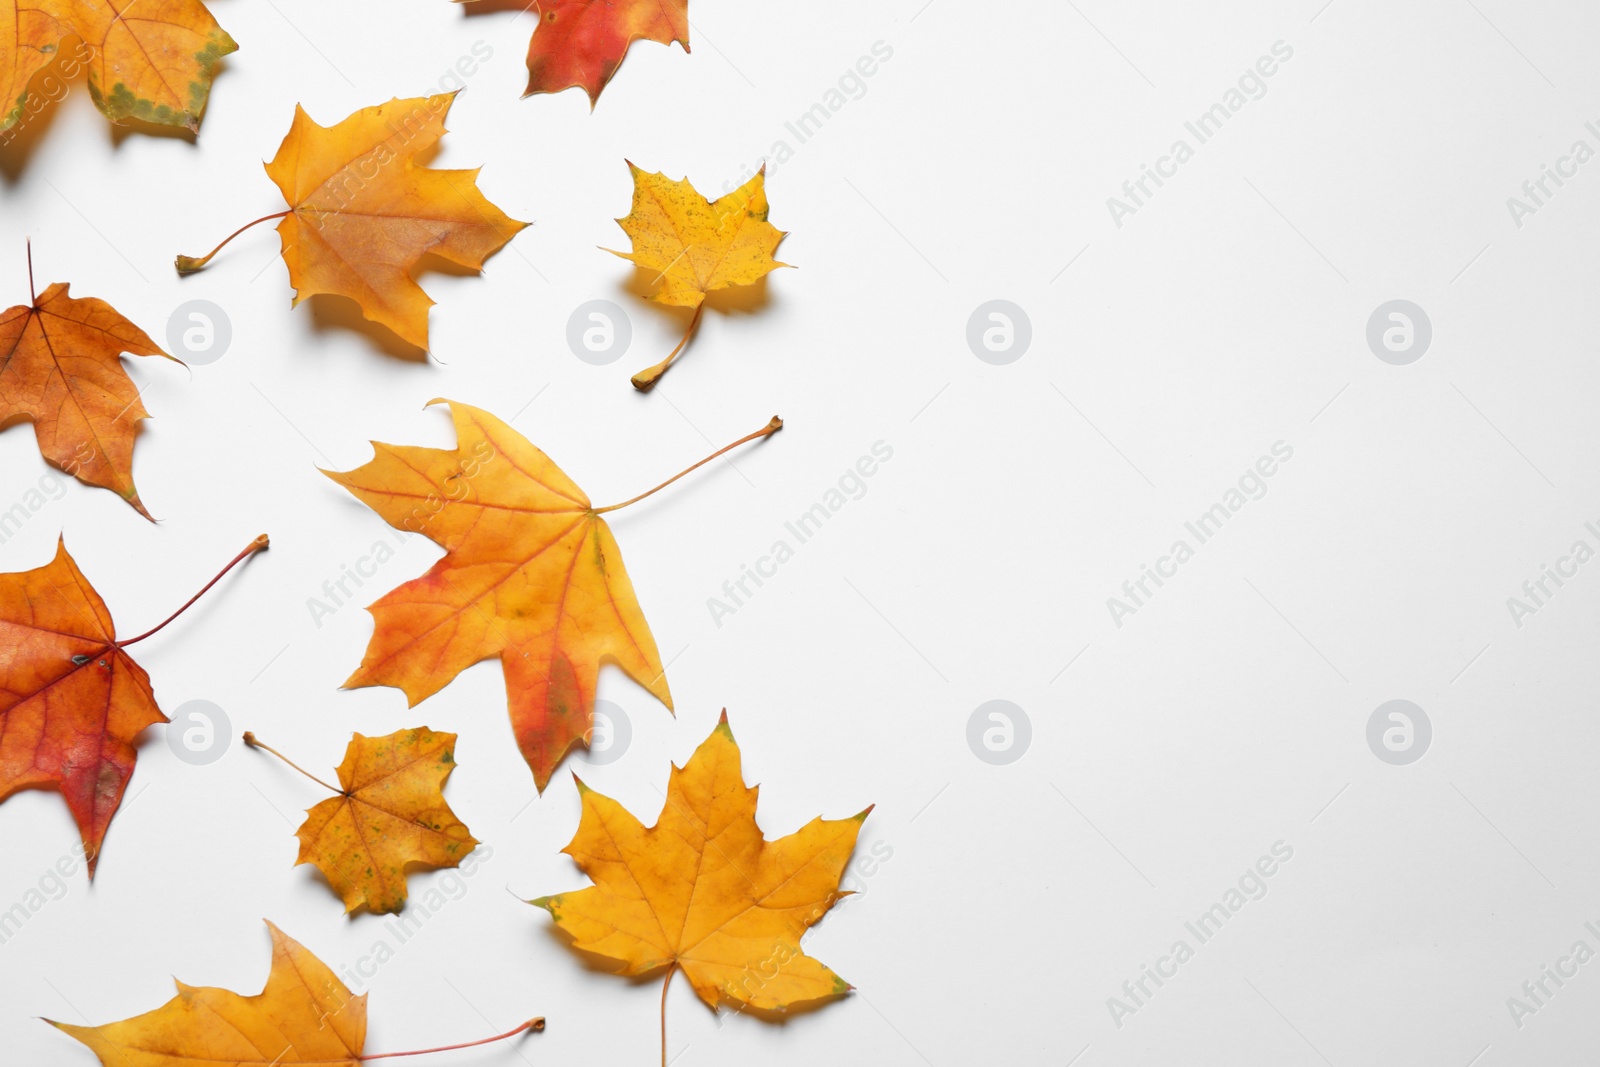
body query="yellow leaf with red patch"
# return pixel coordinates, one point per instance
(531, 575)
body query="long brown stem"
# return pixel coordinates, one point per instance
(670, 972)
(250, 739)
(250, 549)
(646, 379)
(536, 1025)
(770, 428)
(189, 264)
(33, 295)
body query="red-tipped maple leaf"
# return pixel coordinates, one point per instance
(71, 699)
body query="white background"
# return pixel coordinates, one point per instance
(1168, 353)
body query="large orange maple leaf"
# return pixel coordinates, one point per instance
(531, 575)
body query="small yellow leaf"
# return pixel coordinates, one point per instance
(391, 818)
(695, 246)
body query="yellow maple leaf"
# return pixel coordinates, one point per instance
(304, 1015)
(151, 60)
(531, 574)
(695, 246)
(390, 817)
(703, 892)
(363, 212)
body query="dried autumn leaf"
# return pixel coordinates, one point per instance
(155, 66)
(581, 43)
(703, 892)
(304, 1015)
(71, 699)
(60, 368)
(363, 211)
(531, 574)
(390, 817)
(695, 246)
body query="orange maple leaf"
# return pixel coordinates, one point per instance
(303, 1015)
(704, 892)
(363, 211)
(390, 817)
(531, 574)
(154, 65)
(59, 367)
(71, 699)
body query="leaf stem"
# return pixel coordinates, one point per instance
(770, 428)
(536, 1025)
(673, 969)
(33, 296)
(253, 547)
(646, 379)
(250, 739)
(189, 264)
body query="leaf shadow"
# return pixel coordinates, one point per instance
(17, 146)
(17, 149)
(331, 313)
(734, 300)
(129, 128)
